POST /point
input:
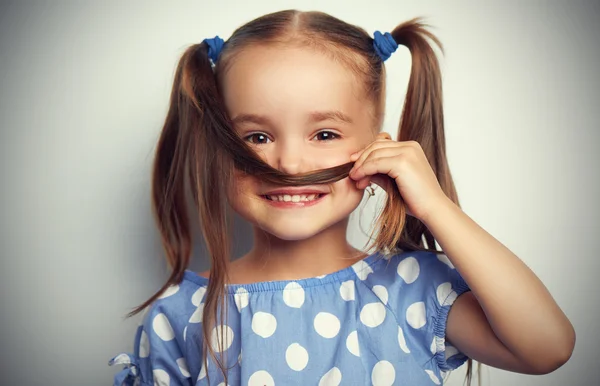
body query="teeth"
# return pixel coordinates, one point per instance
(294, 198)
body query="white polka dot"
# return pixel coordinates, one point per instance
(362, 269)
(415, 315)
(402, 341)
(161, 378)
(264, 324)
(183, 367)
(331, 378)
(224, 334)
(383, 374)
(372, 314)
(296, 357)
(198, 295)
(381, 293)
(409, 269)
(347, 290)
(433, 347)
(222, 384)
(450, 351)
(144, 345)
(261, 378)
(171, 290)
(293, 295)
(184, 333)
(352, 343)
(433, 377)
(202, 373)
(445, 294)
(444, 259)
(327, 325)
(241, 298)
(197, 315)
(162, 327)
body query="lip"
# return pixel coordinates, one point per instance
(294, 190)
(291, 204)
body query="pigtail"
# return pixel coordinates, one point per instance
(422, 120)
(168, 194)
(187, 146)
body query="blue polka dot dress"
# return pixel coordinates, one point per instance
(380, 322)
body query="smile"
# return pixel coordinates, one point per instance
(294, 201)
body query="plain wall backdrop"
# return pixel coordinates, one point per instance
(84, 90)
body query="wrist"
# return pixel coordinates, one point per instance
(440, 209)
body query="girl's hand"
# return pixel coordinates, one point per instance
(407, 165)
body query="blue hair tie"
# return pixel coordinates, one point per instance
(384, 44)
(215, 45)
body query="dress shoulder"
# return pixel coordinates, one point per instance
(420, 289)
(159, 341)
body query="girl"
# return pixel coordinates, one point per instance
(282, 124)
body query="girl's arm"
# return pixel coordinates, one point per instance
(509, 320)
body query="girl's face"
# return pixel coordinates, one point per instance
(302, 111)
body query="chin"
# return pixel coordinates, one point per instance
(292, 230)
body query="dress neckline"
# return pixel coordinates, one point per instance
(359, 269)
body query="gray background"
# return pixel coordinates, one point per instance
(83, 93)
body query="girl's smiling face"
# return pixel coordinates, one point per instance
(301, 111)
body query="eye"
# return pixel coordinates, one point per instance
(257, 138)
(326, 135)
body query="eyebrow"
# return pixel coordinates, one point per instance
(313, 117)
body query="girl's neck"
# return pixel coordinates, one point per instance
(274, 259)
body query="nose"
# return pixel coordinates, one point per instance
(291, 157)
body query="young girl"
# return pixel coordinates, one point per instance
(282, 124)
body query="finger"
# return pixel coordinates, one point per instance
(387, 151)
(375, 146)
(384, 135)
(381, 165)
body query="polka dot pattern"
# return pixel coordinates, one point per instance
(381, 293)
(162, 327)
(293, 295)
(296, 357)
(161, 377)
(144, 345)
(383, 374)
(445, 294)
(170, 291)
(352, 343)
(327, 325)
(415, 315)
(409, 270)
(221, 338)
(183, 368)
(331, 378)
(261, 378)
(198, 296)
(372, 314)
(264, 324)
(402, 341)
(241, 298)
(433, 377)
(329, 330)
(362, 269)
(347, 290)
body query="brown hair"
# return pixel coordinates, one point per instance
(199, 142)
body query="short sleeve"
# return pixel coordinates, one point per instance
(425, 286)
(156, 359)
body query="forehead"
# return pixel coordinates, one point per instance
(288, 82)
